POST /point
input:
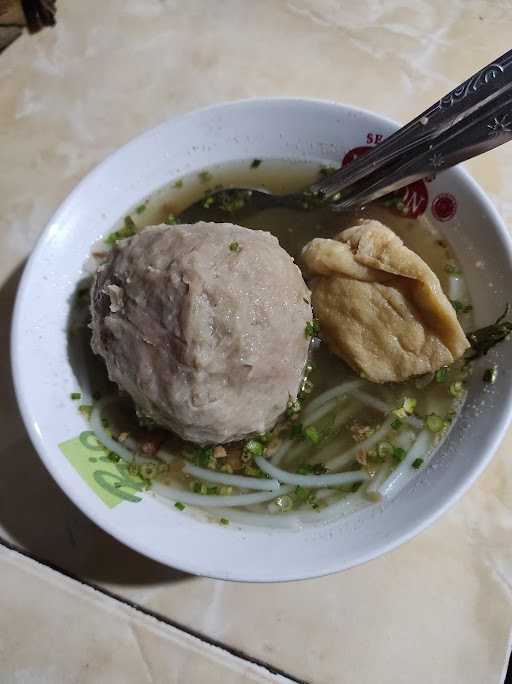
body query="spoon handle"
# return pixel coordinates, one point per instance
(473, 118)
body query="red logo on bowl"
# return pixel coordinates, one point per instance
(444, 206)
(409, 202)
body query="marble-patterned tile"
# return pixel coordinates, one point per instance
(436, 610)
(57, 630)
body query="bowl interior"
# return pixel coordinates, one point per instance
(267, 128)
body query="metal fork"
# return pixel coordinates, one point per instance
(472, 119)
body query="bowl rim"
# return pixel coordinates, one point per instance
(181, 563)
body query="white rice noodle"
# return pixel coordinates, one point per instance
(381, 406)
(455, 288)
(372, 402)
(165, 456)
(281, 451)
(319, 413)
(348, 504)
(241, 481)
(405, 439)
(323, 494)
(268, 520)
(345, 415)
(214, 501)
(330, 396)
(376, 481)
(107, 440)
(402, 472)
(328, 480)
(347, 456)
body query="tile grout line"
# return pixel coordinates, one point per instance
(157, 616)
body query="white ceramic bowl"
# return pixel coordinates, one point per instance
(262, 128)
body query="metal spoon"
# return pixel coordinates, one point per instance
(473, 118)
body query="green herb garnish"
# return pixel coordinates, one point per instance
(179, 506)
(296, 431)
(312, 434)
(255, 163)
(204, 176)
(203, 456)
(85, 410)
(452, 269)
(459, 307)
(293, 407)
(254, 448)
(326, 171)
(224, 521)
(126, 231)
(141, 208)
(441, 374)
(396, 424)
(484, 339)
(171, 220)
(406, 409)
(178, 184)
(312, 328)
(385, 450)
(398, 454)
(434, 422)
(457, 389)
(490, 375)
(75, 396)
(417, 463)
(234, 246)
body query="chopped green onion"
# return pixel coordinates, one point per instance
(254, 448)
(85, 410)
(296, 431)
(203, 456)
(255, 163)
(417, 463)
(452, 268)
(171, 220)
(459, 307)
(441, 374)
(434, 422)
(385, 449)
(224, 521)
(284, 503)
(141, 208)
(312, 434)
(75, 396)
(265, 438)
(407, 408)
(293, 407)
(396, 424)
(204, 176)
(126, 231)
(312, 328)
(490, 375)
(457, 389)
(113, 458)
(398, 454)
(178, 183)
(234, 246)
(179, 506)
(325, 171)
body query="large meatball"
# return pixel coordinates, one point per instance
(203, 325)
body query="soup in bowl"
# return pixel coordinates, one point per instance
(241, 414)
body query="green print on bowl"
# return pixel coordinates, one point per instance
(109, 480)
